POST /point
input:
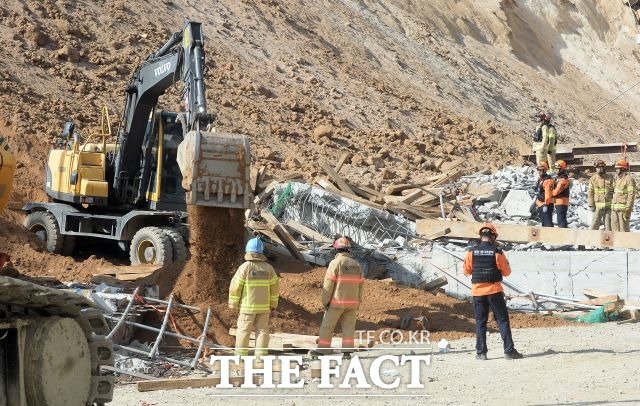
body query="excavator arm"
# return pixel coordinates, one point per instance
(213, 164)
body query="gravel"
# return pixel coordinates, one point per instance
(577, 364)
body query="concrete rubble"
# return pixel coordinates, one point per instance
(387, 244)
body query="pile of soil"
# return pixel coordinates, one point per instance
(300, 310)
(30, 257)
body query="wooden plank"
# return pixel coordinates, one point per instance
(184, 383)
(403, 208)
(448, 178)
(592, 294)
(291, 176)
(412, 197)
(126, 269)
(434, 284)
(592, 149)
(342, 185)
(547, 235)
(599, 301)
(181, 383)
(368, 193)
(397, 188)
(330, 188)
(282, 233)
(307, 341)
(341, 161)
(266, 193)
(307, 232)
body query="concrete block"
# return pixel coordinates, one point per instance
(517, 204)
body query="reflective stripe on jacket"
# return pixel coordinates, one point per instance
(624, 193)
(562, 190)
(255, 287)
(343, 283)
(600, 191)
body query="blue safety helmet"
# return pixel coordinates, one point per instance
(255, 245)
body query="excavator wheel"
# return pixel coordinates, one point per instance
(44, 225)
(151, 245)
(57, 363)
(177, 244)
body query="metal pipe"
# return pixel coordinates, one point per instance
(150, 299)
(442, 206)
(202, 339)
(163, 327)
(124, 314)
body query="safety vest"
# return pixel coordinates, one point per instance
(600, 191)
(624, 193)
(255, 286)
(484, 266)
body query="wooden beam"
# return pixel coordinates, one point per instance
(307, 232)
(307, 341)
(282, 233)
(368, 193)
(325, 184)
(336, 178)
(182, 383)
(341, 161)
(546, 235)
(593, 149)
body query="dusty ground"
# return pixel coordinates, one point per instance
(596, 364)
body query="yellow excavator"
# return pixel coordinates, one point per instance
(52, 342)
(135, 189)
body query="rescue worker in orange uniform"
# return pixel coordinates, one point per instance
(544, 195)
(255, 291)
(341, 296)
(624, 197)
(561, 193)
(487, 264)
(600, 193)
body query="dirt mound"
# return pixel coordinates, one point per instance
(300, 310)
(31, 258)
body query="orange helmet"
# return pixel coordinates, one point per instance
(543, 166)
(488, 227)
(560, 164)
(622, 164)
(342, 243)
(599, 163)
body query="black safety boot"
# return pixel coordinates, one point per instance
(513, 355)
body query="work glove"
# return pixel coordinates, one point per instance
(592, 208)
(545, 209)
(627, 215)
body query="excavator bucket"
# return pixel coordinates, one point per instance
(7, 168)
(215, 169)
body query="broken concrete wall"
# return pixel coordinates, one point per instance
(561, 273)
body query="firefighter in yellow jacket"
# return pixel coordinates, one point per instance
(254, 291)
(600, 193)
(545, 139)
(341, 297)
(624, 197)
